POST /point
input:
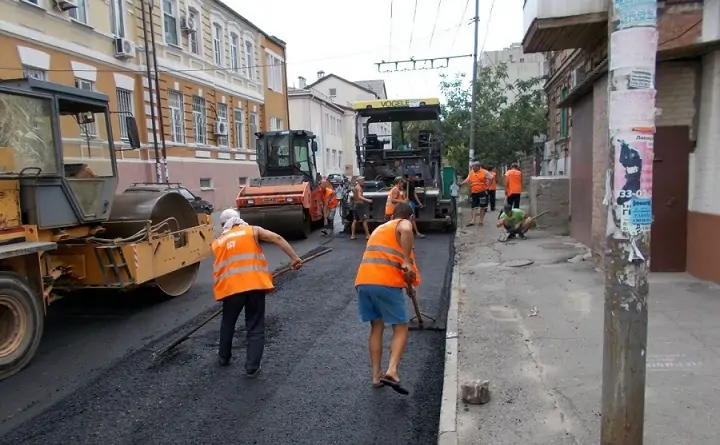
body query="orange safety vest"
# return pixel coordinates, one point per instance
(513, 182)
(493, 183)
(389, 205)
(333, 201)
(240, 265)
(383, 259)
(478, 181)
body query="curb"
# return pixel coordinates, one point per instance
(447, 432)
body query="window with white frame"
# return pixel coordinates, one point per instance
(80, 14)
(234, 55)
(222, 116)
(30, 72)
(193, 39)
(206, 183)
(89, 129)
(117, 18)
(199, 111)
(217, 44)
(340, 156)
(177, 116)
(333, 92)
(253, 129)
(242, 181)
(170, 22)
(276, 124)
(124, 110)
(327, 159)
(275, 73)
(249, 58)
(240, 137)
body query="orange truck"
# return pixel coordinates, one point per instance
(287, 197)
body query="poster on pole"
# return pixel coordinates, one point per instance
(634, 13)
(634, 48)
(633, 180)
(632, 109)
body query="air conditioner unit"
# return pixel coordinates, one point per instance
(221, 128)
(124, 49)
(187, 24)
(64, 5)
(576, 77)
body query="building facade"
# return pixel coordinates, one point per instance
(316, 112)
(520, 66)
(685, 148)
(221, 79)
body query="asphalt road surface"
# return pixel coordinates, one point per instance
(93, 381)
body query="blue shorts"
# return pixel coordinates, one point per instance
(386, 303)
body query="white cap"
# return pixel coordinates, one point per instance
(227, 214)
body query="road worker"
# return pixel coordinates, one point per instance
(514, 222)
(242, 278)
(330, 203)
(387, 267)
(513, 186)
(396, 196)
(479, 180)
(492, 190)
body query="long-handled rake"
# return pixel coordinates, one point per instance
(167, 351)
(421, 321)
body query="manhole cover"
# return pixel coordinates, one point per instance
(518, 263)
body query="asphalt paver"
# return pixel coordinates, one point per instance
(314, 388)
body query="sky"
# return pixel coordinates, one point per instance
(347, 37)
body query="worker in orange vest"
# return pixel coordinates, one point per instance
(241, 279)
(492, 190)
(330, 203)
(387, 267)
(395, 197)
(479, 180)
(513, 186)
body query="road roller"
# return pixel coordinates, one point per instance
(63, 228)
(286, 198)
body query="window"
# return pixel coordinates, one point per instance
(89, 129)
(193, 42)
(276, 123)
(80, 14)
(199, 112)
(564, 117)
(242, 181)
(333, 92)
(275, 73)
(205, 183)
(340, 156)
(234, 56)
(170, 22)
(522, 60)
(34, 73)
(222, 116)
(253, 128)
(217, 44)
(240, 137)
(249, 58)
(177, 116)
(124, 110)
(29, 133)
(117, 19)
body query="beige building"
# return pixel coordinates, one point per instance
(221, 80)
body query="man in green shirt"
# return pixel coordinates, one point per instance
(514, 221)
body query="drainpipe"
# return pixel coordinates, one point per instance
(158, 168)
(157, 93)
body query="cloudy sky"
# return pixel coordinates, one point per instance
(347, 37)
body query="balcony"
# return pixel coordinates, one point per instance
(555, 25)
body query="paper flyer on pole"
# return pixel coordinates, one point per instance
(633, 180)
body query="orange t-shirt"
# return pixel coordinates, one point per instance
(513, 182)
(493, 183)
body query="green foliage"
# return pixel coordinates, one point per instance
(504, 128)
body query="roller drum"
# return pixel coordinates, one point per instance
(288, 221)
(129, 215)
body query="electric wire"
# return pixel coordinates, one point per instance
(391, 29)
(460, 25)
(487, 29)
(412, 30)
(437, 15)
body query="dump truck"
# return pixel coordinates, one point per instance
(63, 228)
(421, 157)
(286, 198)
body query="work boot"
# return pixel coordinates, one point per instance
(222, 361)
(511, 236)
(252, 373)
(522, 236)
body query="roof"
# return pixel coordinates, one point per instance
(355, 84)
(276, 40)
(314, 94)
(377, 85)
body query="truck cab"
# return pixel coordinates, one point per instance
(287, 153)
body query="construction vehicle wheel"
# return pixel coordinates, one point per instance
(178, 282)
(307, 225)
(22, 320)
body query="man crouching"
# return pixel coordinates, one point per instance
(514, 222)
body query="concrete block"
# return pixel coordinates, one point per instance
(476, 392)
(551, 194)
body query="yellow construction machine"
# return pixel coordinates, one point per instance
(62, 228)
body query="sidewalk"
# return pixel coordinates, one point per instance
(545, 371)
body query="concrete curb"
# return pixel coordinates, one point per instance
(447, 433)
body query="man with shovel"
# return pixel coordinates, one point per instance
(514, 222)
(387, 267)
(242, 278)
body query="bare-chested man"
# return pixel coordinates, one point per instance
(360, 209)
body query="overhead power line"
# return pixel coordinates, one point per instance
(460, 25)
(391, 26)
(487, 29)
(412, 30)
(437, 15)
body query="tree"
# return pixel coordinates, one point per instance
(508, 116)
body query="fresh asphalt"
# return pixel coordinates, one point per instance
(92, 381)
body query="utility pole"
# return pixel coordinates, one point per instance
(633, 42)
(473, 105)
(158, 167)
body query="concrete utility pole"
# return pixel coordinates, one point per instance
(473, 104)
(633, 42)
